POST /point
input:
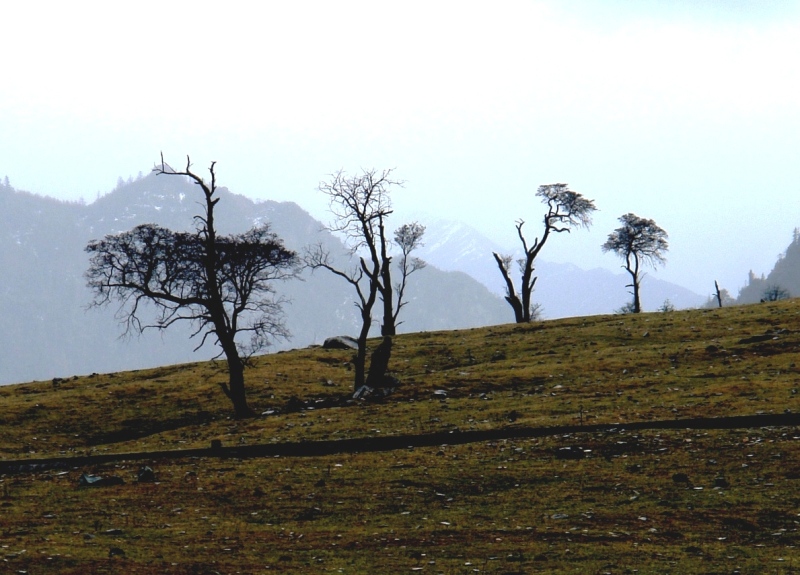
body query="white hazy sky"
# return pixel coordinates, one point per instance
(684, 111)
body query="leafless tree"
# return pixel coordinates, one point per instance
(221, 284)
(361, 206)
(566, 210)
(640, 242)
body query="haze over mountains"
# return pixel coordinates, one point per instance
(48, 331)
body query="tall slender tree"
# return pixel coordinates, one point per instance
(223, 284)
(566, 210)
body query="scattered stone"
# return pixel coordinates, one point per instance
(498, 356)
(721, 482)
(681, 478)
(146, 475)
(87, 480)
(294, 404)
(757, 338)
(116, 552)
(376, 393)
(570, 452)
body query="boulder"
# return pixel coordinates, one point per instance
(340, 342)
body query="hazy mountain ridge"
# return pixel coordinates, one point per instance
(43, 297)
(785, 274)
(562, 289)
(48, 330)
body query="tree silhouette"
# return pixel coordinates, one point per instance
(566, 210)
(775, 292)
(221, 284)
(639, 242)
(361, 206)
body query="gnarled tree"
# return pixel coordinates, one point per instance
(223, 284)
(566, 210)
(361, 205)
(640, 242)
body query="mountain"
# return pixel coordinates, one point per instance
(48, 331)
(563, 289)
(784, 275)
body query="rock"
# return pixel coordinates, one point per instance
(757, 338)
(87, 480)
(294, 404)
(376, 393)
(340, 342)
(681, 478)
(498, 356)
(570, 452)
(146, 475)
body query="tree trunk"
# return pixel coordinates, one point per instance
(516, 305)
(360, 361)
(388, 327)
(379, 363)
(637, 307)
(527, 288)
(634, 271)
(235, 389)
(512, 298)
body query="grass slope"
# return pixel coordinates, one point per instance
(684, 501)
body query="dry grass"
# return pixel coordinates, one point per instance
(644, 502)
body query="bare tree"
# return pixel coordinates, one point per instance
(566, 210)
(775, 292)
(221, 284)
(361, 205)
(408, 238)
(640, 242)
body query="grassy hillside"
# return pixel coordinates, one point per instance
(682, 501)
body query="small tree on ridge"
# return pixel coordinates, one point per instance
(566, 210)
(640, 242)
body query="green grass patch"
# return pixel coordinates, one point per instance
(660, 501)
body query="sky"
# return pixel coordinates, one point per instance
(686, 112)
